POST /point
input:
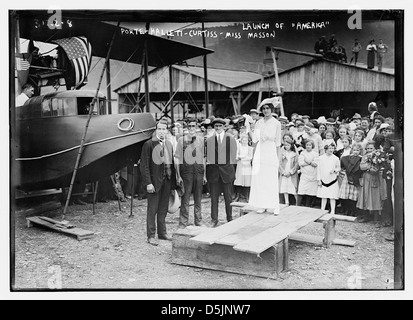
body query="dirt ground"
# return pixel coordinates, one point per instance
(118, 256)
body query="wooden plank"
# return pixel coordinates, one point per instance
(325, 217)
(79, 233)
(253, 229)
(238, 204)
(338, 217)
(309, 238)
(272, 236)
(341, 217)
(209, 236)
(344, 242)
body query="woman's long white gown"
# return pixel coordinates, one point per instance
(264, 179)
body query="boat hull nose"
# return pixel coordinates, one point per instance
(112, 141)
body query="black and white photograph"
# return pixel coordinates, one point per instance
(206, 150)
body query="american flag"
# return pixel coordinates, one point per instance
(22, 64)
(79, 52)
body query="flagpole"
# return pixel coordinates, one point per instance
(79, 155)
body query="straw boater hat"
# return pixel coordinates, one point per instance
(352, 126)
(291, 124)
(383, 126)
(254, 111)
(283, 118)
(321, 120)
(356, 116)
(299, 122)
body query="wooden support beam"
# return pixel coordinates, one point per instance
(156, 105)
(239, 97)
(108, 87)
(246, 99)
(234, 104)
(329, 232)
(40, 208)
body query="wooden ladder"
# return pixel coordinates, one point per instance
(269, 67)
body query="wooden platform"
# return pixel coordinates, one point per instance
(255, 243)
(59, 226)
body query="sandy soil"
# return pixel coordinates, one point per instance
(118, 256)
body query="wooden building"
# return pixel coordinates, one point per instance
(188, 90)
(319, 86)
(316, 88)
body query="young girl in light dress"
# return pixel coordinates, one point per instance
(329, 138)
(342, 132)
(288, 171)
(359, 137)
(327, 171)
(243, 173)
(350, 184)
(307, 160)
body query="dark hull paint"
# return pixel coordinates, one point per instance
(47, 136)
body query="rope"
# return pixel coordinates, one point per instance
(86, 144)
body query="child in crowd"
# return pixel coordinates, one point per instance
(350, 184)
(327, 171)
(373, 188)
(311, 134)
(359, 137)
(288, 181)
(342, 132)
(346, 147)
(299, 135)
(329, 137)
(243, 172)
(307, 160)
(321, 130)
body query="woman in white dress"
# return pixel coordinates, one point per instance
(264, 179)
(327, 171)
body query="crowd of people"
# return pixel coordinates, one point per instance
(331, 49)
(262, 158)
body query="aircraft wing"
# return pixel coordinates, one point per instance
(126, 47)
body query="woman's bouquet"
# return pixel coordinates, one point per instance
(379, 163)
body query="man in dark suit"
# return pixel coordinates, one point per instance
(221, 149)
(158, 175)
